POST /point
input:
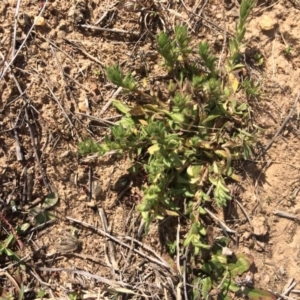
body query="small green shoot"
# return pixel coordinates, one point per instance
(259, 59)
(172, 247)
(41, 293)
(41, 214)
(235, 43)
(288, 51)
(251, 88)
(5, 248)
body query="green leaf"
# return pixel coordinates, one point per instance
(243, 107)
(221, 153)
(206, 286)
(24, 227)
(242, 265)
(50, 200)
(238, 66)
(8, 240)
(256, 294)
(21, 293)
(210, 118)
(220, 258)
(43, 217)
(201, 210)
(177, 117)
(120, 106)
(154, 148)
(202, 230)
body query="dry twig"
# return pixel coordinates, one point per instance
(288, 117)
(8, 65)
(47, 185)
(160, 262)
(110, 245)
(285, 215)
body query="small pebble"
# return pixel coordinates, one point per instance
(39, 21)
(267, 23)
(259, 226)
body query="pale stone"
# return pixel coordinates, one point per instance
(259, 226)
(267, 23)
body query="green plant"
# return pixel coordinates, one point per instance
(235, 43)
(288, 51)
(251, 88)
(41, 293)
(187, 145)
(222, 275)
(259, 59)
(72, 296)
(172, 247)
(96, 72)
(185, 141)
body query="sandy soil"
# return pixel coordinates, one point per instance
(60, 72)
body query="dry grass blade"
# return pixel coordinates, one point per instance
(24, 41)
(109, 102)
(62, 51)
(47, 185)
(161, 263)
(75, 45)
(13, 281)
(113, 30)
(288, 117)
(85, 274)
(221, 223)
(15, 29)
(56, 100)
(100, 120)
(111, 248)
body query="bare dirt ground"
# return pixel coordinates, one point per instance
(63, 97)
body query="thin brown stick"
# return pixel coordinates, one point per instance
(108, 103)
(15, 234)
(222, 224)
(79, 84)
(85, 52)
(203, 18)
(100, 120)
(24, 41)
(56, 100)
(62, 51)
(244, 211)
(224, 35)
(114, 30)
(61, 72)
(47, 185)
(283, 214)
(13, 281)
(19, 153)
(110, 245)
(13, 44)
(290, 285)
(161, 263)
(106, 12)
(30, 128)
(280, 128)
(86, 274)
(90, 195)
